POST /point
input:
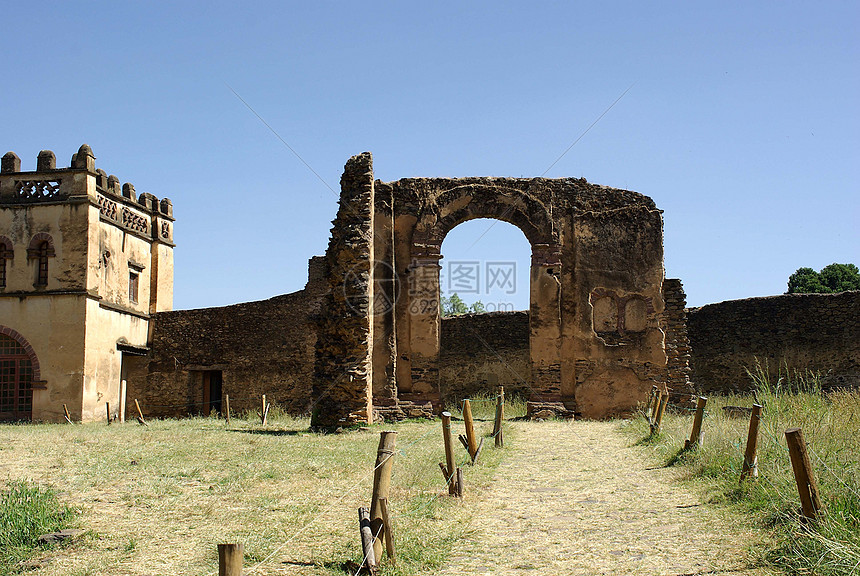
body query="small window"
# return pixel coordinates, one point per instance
(133, 285)
(3, 257)
(42, 271)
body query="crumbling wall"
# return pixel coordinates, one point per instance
(342, 387)
(481, 352)
(677, 343)
(819, 332)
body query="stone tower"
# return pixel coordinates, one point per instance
(84, 262)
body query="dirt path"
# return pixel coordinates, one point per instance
(591, 504)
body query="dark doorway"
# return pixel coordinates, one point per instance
(211, 391)
(16, 381)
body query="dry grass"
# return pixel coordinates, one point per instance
(831, 427)
(158, 499)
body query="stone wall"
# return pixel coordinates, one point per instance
(342, 385)
(818, 332)
(263, 347)
(677, 343)
(481, 352)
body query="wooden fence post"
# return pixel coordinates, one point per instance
(470, 428)
(107, 411)
(230, 559)
(750, 468)
(388, 530)
(649, 408)
(381, 482)
(500, 418)
(140, 413)
(697, 435)
(227, 409)
(263, 411)
(655, 405)
(661, 407)
(803, 475)
(448, 470)
(67, 415)
(367, 544)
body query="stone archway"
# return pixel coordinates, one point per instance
(378, 346)
(418, 342)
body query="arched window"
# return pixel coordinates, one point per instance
(42, 272)
(41, 248)
(16, 380)
(6, 253)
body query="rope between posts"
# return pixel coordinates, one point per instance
(338, 501)
(832, 473)
(366, 556)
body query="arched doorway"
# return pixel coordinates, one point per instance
(486, 296)
(418, 319)
(16, 379)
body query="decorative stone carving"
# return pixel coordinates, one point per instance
(37, 190)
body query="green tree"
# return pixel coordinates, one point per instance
(832, 278)
(840, 277)
(453, 306)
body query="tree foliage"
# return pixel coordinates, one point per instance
(831, 278)
(454, 306)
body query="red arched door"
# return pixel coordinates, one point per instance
(16, 381)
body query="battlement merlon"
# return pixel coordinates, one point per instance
(145, 216)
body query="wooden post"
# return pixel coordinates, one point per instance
(803, 475)
(263, 411)
(388, 530)
(655, 406)
(649, 414)
(381, 482)
(459, 493)
(123, 386)
(230, 559)
(470, 430)
(107, 411)
(67, 415)
(266, 413)
(500, 417)
(367, 545)
(450, 469)
(140, 413)
(750, 468)
(697, 435)
(227, 408)
(661, 407)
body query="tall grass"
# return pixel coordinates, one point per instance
(831, 427)
(26, 512)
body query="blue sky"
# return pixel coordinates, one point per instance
(742, 121)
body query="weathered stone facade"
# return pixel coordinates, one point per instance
(819, 332)
(595, 339)
(84, 263)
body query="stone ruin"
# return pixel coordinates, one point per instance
(596, 327)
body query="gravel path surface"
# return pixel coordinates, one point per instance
(577, 498)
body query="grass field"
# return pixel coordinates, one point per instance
(158, 499)
(831, 427)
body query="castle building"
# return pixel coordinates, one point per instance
(84, 264)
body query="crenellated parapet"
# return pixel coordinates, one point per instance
(142, 214)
